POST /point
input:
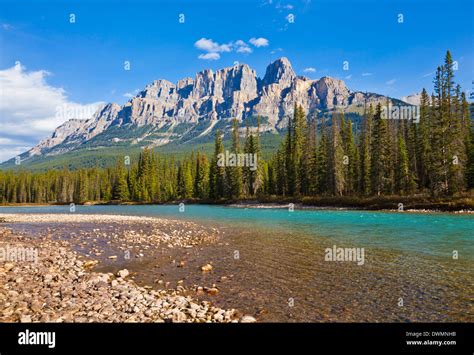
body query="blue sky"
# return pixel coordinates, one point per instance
(83, 62)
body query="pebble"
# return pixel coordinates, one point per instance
(123, 273)
(62, 287)
(206, 268)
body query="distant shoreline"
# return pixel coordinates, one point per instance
(392, 203)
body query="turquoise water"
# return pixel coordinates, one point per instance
(429, 233)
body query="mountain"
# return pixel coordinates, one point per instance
(190, 110)
(413, 99)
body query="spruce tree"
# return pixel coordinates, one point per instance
(216, 171)
(336, 159)
(234, 173)
(381, 154)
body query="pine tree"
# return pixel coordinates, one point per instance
(404, 182)
(120, 187)
(336, 160)
(281, 176)
(365, 153)
(234, 173)
(470, 159)
(381, 154)
(351, 160)
(322, 161)
(299, 128)
(308, 163)
(444, 127)
(216, 171)
(201, 179)
(457, 141)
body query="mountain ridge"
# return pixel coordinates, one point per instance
(165, 112)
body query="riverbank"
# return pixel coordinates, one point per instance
(463, 204)
(62, 284)
(382, 203)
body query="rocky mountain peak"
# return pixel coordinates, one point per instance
(413, 99)
(232, 92)
(279, 72)
(332, 92)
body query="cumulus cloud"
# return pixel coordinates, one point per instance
(242, 47)
(309, 70)
(30, 109)
(259, 42)
(209, 45)
(210, 56)
(214, 49)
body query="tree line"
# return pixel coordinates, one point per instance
(433, 155)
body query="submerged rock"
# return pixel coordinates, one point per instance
(206, 268)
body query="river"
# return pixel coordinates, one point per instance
(272, 262)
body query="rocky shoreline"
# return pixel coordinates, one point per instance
(300, 206)
(62, 286)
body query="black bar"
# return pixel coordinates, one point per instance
(242, 338)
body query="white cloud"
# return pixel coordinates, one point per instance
(209, 56)
(259, 42)
(208, 45)
(242, 47)
(8, 152)
(366, 74)
(391, 82)
(213, 49)
(30, 109)
(309, 70)
(244, 50)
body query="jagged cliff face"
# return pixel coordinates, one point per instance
(234, 92)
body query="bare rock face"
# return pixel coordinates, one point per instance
(280, 73)
(66, 130)
(233, 92)
(413, 99)
(102, 119)
(75, 131)
(332, 92)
